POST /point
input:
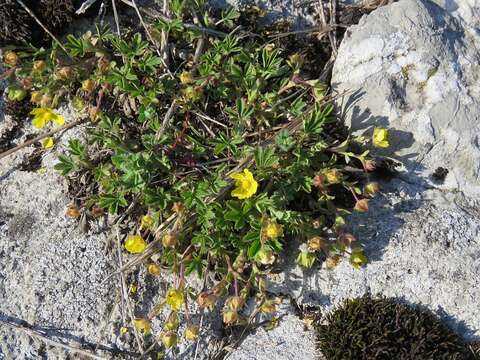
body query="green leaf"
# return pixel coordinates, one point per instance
(65, 165)
(284, 141)
(254, 248)
(265, 157)
(112, 202)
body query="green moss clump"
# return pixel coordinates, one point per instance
(374, 329)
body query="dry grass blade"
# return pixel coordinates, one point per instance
(333, 33)
(115, 15)
(150, 37)
(40, 137)
(36, 334)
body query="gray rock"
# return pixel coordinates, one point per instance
(288, 341)
(49, 271)
(413, 68)
(423, 248)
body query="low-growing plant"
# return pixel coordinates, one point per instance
(216, 157)
(380, 328)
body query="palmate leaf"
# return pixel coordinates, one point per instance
(113, 202)
(265, 157)
(65, 165)
(316, 118)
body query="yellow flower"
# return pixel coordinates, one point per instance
(123, 330)
(153, 269)
(186, 78)
(135, 244)
(43, 115)
(245, 184)
(191, 332)
(380, 138)
(142, 325)
(48, 143)
(272, 230)
(175, 299)
(147, 222)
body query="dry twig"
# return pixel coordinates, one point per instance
(43, 337)
(40, 137)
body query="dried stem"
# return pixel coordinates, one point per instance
(115, 15)
(149, 35)
(37, 334)
(40, 137)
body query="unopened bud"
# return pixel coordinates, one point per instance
(88, 85)
(10, 58)
(73, 212)
(65, 73)
(169, 339)
(372, 189)
(268, 307)
(169, 240)
(191, 332)
(27, 82)
(370, 165)
(39, 66)
(346, 239)
(361, 205)
(230, 317)
(235, 302)
(36, 97)
(316, 243)
(172, 321)
(206, 300)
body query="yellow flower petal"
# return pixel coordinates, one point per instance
(39, 123)
(272, 230)
(48, 143)
(380, 138)
(58, 119)
(142, 325)
(245, 184)
(135, 244)
(43, 115)
(175, 299)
